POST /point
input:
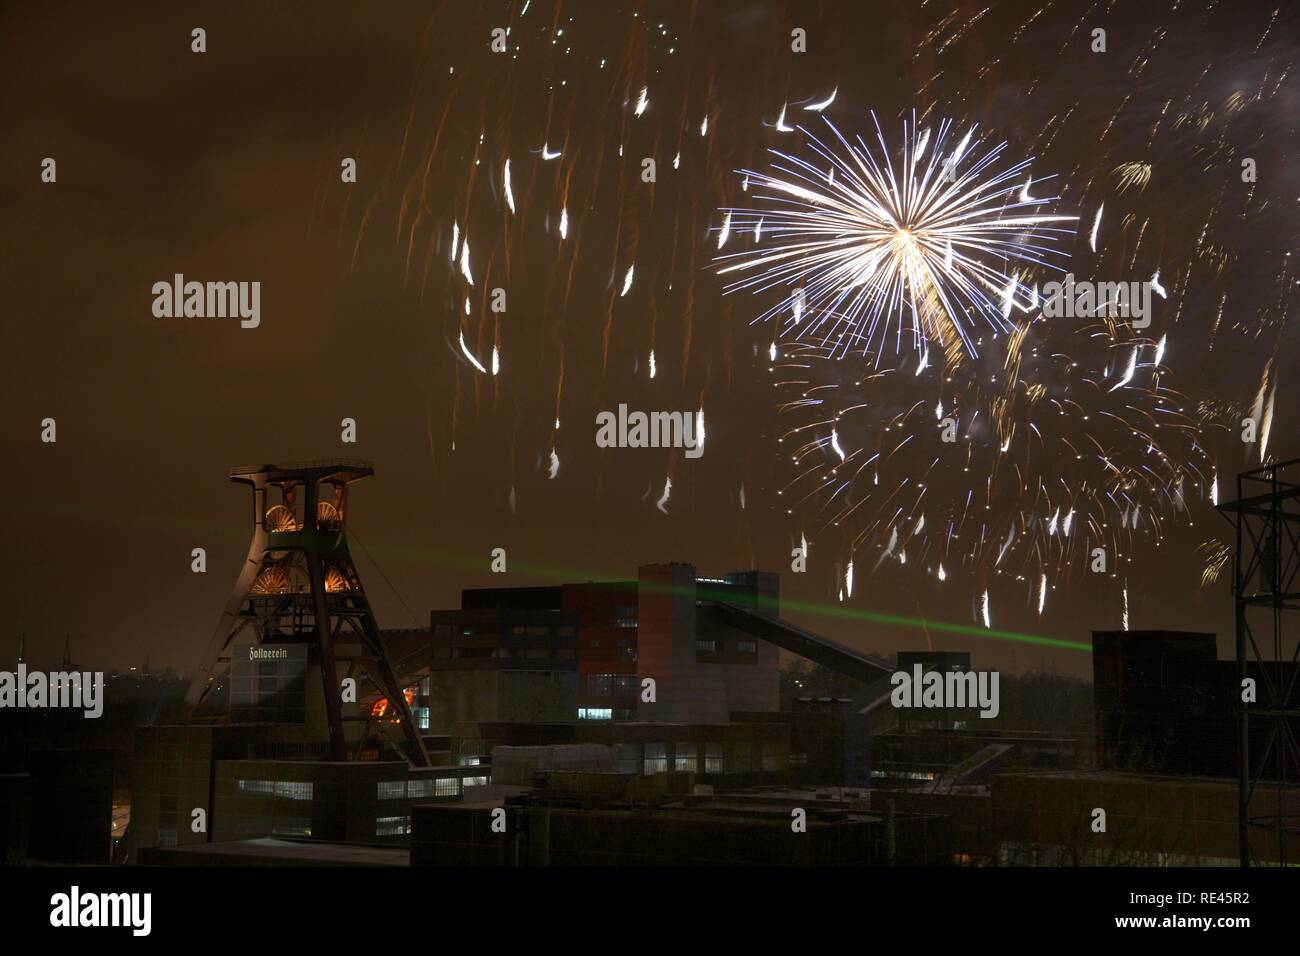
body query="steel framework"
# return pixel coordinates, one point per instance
(299, 585)
(1266, 583)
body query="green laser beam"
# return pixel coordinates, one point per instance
(833, 611)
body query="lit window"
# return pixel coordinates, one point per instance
(447, 787)
(287, 789)
(293, 790)
(475, 781)
(390, 789)
(417, 789)
(656, 758)
(713, 757)
(685, 757)
(595, 713)
(705, 645)
(392, 826)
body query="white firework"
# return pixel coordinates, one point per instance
(929, 246)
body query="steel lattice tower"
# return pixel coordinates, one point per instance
(299, 585)
(1266, 583)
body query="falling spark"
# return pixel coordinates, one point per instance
(642, 101)
(455, 240)
(496, 361)
(1011, 536)
(984, 608)
(1024, 193)
(1133, 174)
(726, 231)
(699, 430)
(1214, 490)
(1156, 287)
(627, 280)
(848, 579)
(780, 122)
(1268, 424)
(663, 499)
(1128, 372)
(818, 107)
(510, 196)
(564, 222)
(942, 574)
(1042, 594)
(548, 155)
(1096, 224)
(652, 363)
(555, 465)
(464, 260)
(1160, 350)
(470, 355)
(1125, 614)
(835, 443)
(1009, 295)
(922, 143)
(704, 124)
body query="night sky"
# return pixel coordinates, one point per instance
(225, 166)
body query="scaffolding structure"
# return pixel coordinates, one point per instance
(299, 585)
(1266, 585)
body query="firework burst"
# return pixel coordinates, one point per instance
(929, 250)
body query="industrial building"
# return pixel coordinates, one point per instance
(602, 819)
(307, 722)
(640, 723)
(584, 651)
